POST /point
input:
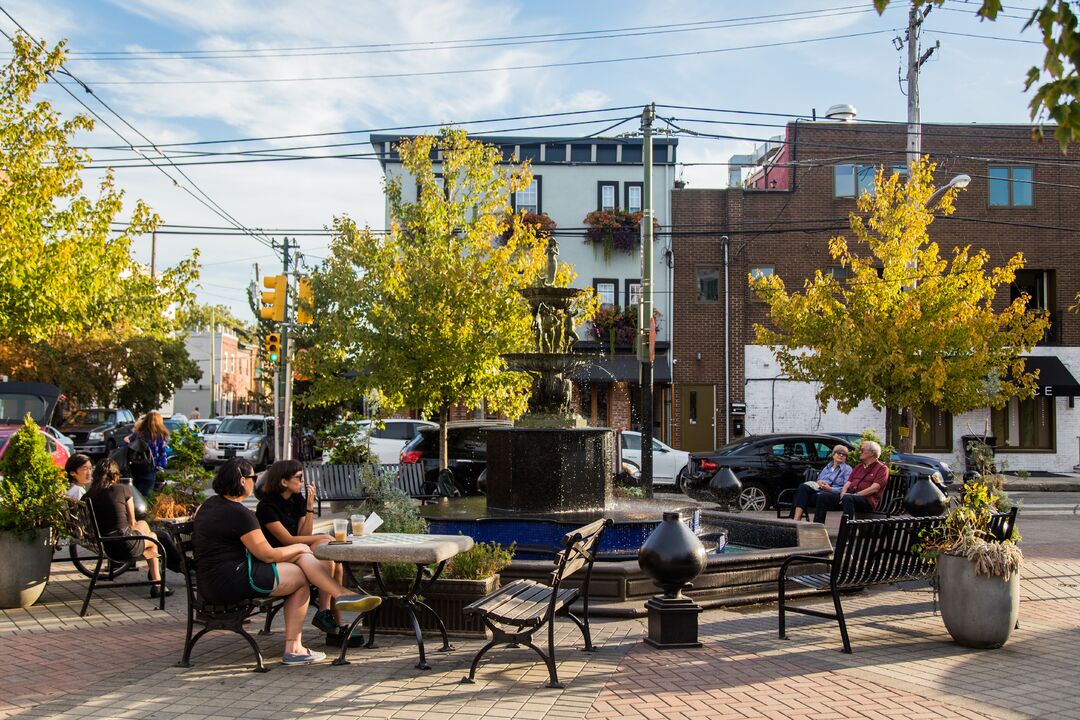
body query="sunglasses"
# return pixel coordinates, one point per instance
(248, 477)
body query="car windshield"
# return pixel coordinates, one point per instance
(91, 417)
(13, 408)
(241, 426)
(171, 425)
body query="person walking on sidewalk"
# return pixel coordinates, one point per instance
(146, 451)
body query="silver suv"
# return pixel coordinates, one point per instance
(244, 436)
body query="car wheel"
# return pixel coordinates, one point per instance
(753, 497)
(680, 479)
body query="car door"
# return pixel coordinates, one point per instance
(663, 461)
(631, 447)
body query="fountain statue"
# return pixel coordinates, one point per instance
(550, 461)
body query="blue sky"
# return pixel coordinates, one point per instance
(785, 71)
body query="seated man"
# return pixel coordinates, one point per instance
(831, 479)
(864, 487)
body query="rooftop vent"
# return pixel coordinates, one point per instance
(841, 113)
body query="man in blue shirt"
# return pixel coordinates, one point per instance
(831, 479)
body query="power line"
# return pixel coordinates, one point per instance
(473, 71)
(508, 41)
(208, 203)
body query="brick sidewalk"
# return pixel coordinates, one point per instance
(120, 662)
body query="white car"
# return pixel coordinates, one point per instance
(669, 464)
(389, 436)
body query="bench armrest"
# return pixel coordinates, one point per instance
(820, 559)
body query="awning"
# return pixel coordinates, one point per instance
(624, 368)
(1054, 379)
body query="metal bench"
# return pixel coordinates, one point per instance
(517, 611)
(212, 616)
(345, 483)
(83, 528)
(870, 552)
(892, 499)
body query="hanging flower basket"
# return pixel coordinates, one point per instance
(615, 230)
(616, 326)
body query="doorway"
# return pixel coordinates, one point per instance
(697, 417)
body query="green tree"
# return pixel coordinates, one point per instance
(198, 316)
(423, 313)
(63, 269)
(906, 327)
(1056, 96)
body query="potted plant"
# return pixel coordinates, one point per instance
(540, 222)
(978, 576)
(184, 479)
(32, 507)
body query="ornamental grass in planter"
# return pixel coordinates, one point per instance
(978, 575)
(32, 507)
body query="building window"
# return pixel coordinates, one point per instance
(607, 290)
(606, 194)
(933, 430)
(851, 181)
(762, 271)
(1024, 424)
(1038, 285)
(633, 201)
(633, 293)
(529, 198)
(837, 272)
(708, 284)
(1010, 186)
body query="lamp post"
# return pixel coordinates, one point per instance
(960, 181)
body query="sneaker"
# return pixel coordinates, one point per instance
(308, 657)
(324, 621)
(155, 590)
(358, 603)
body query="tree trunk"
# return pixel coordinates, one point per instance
(907, 419)
(444, 416)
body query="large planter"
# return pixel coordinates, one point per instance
(446, 597)
(25, 568)
(979, 611)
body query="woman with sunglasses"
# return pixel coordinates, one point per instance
(831, 479)
(234, 561)
(287, 516)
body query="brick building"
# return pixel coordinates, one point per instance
(229, 369)
(1022, 197)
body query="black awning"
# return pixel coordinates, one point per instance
(624, 368)
(1054, 380)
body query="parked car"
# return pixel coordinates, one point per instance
(941, 466)
(39, 399)
(389, 437)
(244, 436)
(205, 427)
(466, 444)
(98, 431)
(767, 464)
(669, 464)
(67, 443)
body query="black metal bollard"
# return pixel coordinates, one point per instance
(672, 556)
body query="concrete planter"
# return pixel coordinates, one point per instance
(25, 568)
(979, 611)
(446, 597)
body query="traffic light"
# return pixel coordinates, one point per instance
(273, 347)
(306, 301)
(272, 303)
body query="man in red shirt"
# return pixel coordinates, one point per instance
(864, 488)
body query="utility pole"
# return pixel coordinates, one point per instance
(153, 254)
(647, 335)
(916, 17)
(284, 378)
(213, 370)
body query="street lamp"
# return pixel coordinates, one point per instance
(960, 181)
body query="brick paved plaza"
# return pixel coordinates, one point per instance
(119, 662)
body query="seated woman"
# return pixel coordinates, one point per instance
(115, 514)
(234, 562)
(831, 480)
(78, 468)
(286, 518)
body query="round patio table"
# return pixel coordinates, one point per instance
(418, 549)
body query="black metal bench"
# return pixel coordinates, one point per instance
(870, 552)
(345, 483)
(892, 499)
(209, 615)
(83, 528)
(526, 606)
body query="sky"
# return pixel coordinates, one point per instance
(343, 67)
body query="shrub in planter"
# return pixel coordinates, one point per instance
(32, 507)
(978, 575)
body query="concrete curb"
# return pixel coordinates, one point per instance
(1042, 484)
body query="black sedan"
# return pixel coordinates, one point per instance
(767, 464)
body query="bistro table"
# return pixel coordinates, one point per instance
(418, 549)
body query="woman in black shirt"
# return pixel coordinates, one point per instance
(234, 561)
(114, 511)
(287, 517)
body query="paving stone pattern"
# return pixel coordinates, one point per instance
(119, 662)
